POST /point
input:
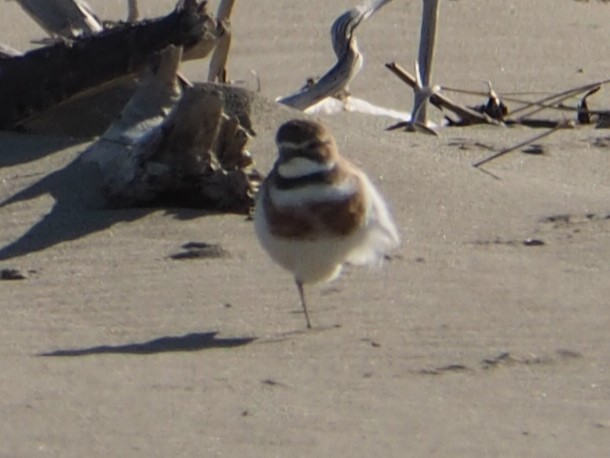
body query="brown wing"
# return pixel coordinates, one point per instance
(337, 217)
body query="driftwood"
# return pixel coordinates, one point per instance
(217, 71)
(133, 12)
(45, 77)
(349, 59)
(552, 101)
(195, 155)
(441, 101)
(63, 18)
(197, 158)
(427, 42)
(580, 114)
(155, 97)
(495, 111)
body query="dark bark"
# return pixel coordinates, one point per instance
(45, 77)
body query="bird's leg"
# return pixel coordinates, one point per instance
(302, 295)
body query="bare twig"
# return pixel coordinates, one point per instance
(563, 125)
(556, 98)
(440, 100)
(508, 98)
(583, 113)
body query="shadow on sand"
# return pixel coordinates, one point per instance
(78, 210)
(73, 215)
(189, 342)
(17, 148)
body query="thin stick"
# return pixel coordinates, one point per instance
(528, 103)
(563, 125)
(441, 100)
(508, 98)
(425, 58)
(217, 71)
(561, 96)
(218, 63)
(484, 93)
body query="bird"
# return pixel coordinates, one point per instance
(316, 211)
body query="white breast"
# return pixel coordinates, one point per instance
(301, 166)
(318, 192)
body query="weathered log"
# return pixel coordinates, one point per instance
(155, 97)
(44, 77)
(194, 156)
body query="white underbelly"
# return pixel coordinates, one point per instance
(309, 260)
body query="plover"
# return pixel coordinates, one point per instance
(316, 211)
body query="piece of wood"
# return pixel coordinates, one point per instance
(133, 12)
(155, 97)
(7, 51)
(45, 77)
(441, 101)
(64, 18)
(176, 146)
(551, 102)
(563, 125)
(553, 99)
(349, 59)
(218, 63)
(196, 158)
(427, 43)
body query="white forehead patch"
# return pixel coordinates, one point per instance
(301, 166)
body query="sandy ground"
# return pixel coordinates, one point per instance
(469, 343)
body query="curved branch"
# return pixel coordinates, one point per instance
(339, 76)
(349, 58)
